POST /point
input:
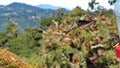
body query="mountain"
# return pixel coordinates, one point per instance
(23, 14)
(47, 6)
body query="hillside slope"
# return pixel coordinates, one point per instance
(22, 14)
(78, 39)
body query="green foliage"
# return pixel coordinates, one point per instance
(21, 45)
(3, 39)
(55, 48)
(92, 4)
(12, 30)
(76, 12)
(59, 12)
(111, 2)
(46, 22)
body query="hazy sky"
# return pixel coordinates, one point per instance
(63, 3)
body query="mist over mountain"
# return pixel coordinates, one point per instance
(48, 6)
(22, 14)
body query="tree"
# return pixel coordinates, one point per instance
(3, 39)
(46, 22)
(111, 2)
(77, 11)
(59, 12)
(12, 30)
(93, 3)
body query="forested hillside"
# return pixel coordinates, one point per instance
(22, 14)
(78, 39)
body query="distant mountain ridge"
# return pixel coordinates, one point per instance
(23, 14)
(48, 6)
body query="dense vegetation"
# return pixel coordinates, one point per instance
(52, 46)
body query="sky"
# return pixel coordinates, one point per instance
(70, 4)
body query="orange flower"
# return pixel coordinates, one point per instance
(48, 48)
(65, 31)
(72, 36)
(75, 60)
